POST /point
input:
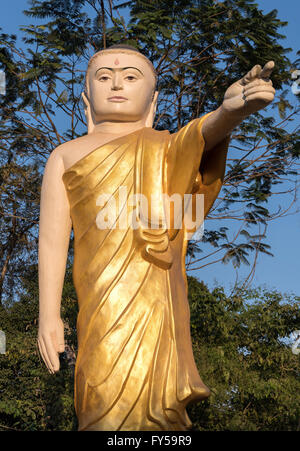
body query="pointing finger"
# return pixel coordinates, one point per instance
(253, 73)
(267, 70)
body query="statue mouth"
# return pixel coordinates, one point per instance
(117, 99)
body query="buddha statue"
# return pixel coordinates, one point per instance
(135, 369)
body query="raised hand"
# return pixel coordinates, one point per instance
(251, 93)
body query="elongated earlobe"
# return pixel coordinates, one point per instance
(152, 111)
(88, 114)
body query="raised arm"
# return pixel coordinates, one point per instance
(243, 98)
(54, 236)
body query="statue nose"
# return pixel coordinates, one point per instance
(117, 83)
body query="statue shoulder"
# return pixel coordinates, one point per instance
(71, 151)
(155, 132)
(153, 135)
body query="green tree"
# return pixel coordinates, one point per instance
(198, 48)
(243, 352)
(30, 398)
(241, 348)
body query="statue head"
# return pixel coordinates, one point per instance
(120, 87)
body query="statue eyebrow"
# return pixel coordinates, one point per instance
(121, 69)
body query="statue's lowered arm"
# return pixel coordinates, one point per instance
(54, 236)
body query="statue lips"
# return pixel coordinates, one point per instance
(117, 99)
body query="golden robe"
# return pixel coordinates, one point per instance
(135, 368)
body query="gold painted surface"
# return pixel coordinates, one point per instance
(135, 368)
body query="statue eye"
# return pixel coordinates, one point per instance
(104, 78)
(130, 78)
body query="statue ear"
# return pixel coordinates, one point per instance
(88, 114)
(152, 111)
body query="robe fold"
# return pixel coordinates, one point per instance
(135, 369)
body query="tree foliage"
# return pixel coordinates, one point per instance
(30, 398)
(241, 349)
(198, 48)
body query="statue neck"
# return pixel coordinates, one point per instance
(118, 128)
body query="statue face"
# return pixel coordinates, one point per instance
(120, 87)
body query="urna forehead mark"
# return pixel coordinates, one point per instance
(116, 62)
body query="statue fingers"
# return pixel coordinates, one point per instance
(252, 84)
(58, 341)
(43, 352)
(252, 74)
(257, 82)
(266, 97)
(61, 343)
(51, 352)
(256, 89)
(53, 355)
(267, 70)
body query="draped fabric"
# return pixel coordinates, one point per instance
(135, 368)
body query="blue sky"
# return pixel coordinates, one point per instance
(281, 271)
